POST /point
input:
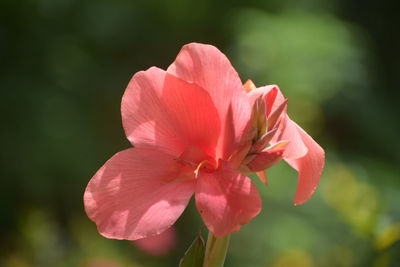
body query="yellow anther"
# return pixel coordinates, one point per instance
(204, 164)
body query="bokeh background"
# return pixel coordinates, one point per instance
(65, 65)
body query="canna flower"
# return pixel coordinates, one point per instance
(196, 129)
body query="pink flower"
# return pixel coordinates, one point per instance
(196, 131)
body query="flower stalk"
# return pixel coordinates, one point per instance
(216, 249)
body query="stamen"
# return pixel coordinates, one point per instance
(205, 164)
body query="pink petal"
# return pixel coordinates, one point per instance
(138, 193)
(207, 67)
(309, 166)
(226, 199)
(287, 130)
(163, 112)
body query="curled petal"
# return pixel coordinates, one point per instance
(302, 152)
(309, 166)
(130, 198)
(226, 199)
(157, 112)
(287, 130)
(207, 67)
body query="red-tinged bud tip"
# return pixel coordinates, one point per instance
(267, 158)
(263, 177)
(273, 118)
(263, 141)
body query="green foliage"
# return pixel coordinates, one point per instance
(194, 256)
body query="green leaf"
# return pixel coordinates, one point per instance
(194, 256)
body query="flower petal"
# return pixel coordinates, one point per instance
(138, 193)
(309, 166)
(287, 130)
(226, 199)
(210, 69)
(157, 112)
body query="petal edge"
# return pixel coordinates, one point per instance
(130, 199)
(226, 199)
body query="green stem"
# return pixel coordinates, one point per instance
(216, 251)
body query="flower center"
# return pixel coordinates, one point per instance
(196, 160)
(206, 166)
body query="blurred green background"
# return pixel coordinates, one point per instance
(65, 65)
